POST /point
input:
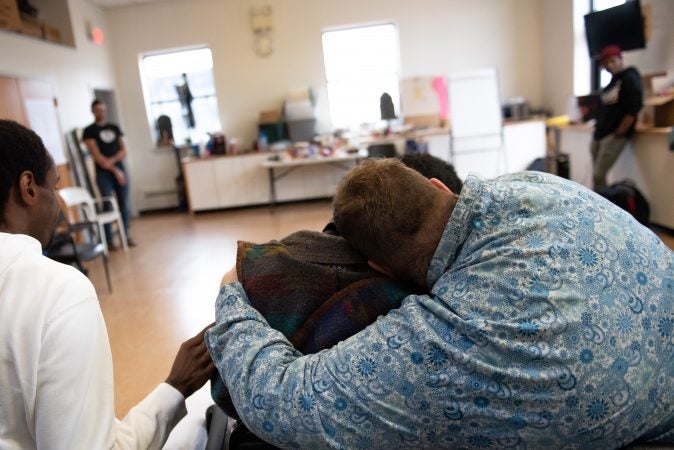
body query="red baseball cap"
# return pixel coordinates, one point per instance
(610, 50)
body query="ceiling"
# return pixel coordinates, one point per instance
(111, 4)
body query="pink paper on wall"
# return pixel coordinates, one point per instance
(440, 88)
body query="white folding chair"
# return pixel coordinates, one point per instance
(80, 197)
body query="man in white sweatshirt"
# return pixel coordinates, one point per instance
(56, 384)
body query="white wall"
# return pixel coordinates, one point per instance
(72, 72)
(659, 52)
(436, 37)
(557, 53)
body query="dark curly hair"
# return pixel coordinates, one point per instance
(20, 150)
(433, 167)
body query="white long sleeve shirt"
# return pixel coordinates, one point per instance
(56, 382)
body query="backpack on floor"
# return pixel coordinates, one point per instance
(626, 195)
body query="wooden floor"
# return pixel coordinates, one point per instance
(165, 288)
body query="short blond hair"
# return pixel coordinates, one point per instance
(392, 215)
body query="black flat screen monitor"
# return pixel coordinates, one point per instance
(621, 25)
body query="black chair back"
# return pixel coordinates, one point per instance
(75, 243)
(381, 151)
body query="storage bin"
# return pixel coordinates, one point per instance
(301, 130)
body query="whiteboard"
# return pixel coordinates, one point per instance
(44, 122)
(474, 104)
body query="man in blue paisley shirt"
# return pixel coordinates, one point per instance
(549, 323)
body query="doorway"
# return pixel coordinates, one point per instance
(107, 96)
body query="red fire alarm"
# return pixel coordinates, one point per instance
(97, 36)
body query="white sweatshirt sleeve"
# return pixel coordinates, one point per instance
(75, 395)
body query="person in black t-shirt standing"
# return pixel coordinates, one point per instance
(621, 101)
(104, 142)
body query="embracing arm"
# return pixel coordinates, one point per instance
(336, 398)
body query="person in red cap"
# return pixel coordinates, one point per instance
(621, 101)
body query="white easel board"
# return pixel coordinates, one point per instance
(474, 104)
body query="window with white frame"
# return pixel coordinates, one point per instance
(162, 74)
(599, 5)
(361, 63)
(582, 65)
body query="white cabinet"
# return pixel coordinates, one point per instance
(290, 183)
(309, 181)
(232, 181)
(487, 163)
(575, 141)
(256, 184)
(241, 180)
(438, 146)
(226, 182)
(201, 186)
(522, 143)
(322, 180)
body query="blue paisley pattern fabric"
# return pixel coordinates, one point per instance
(549, 324)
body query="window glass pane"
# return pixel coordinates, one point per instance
(164, 89)
(163, 73)
(600, 5)
(201, 83)
(581, 62)
(360, 64)
(176, 63)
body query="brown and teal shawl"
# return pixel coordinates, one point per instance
(313, 288)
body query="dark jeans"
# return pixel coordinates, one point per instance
(107, 183)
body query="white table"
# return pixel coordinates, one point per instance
(280, 168)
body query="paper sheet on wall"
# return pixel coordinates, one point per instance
(44, 121)
(418, 98)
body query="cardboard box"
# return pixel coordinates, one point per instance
(428, 120)
(270, 116)
(9, 15)
(301, 130)
(647, 87)
(51, 34)
(658, 111)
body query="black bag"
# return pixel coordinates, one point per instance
(626, 195)
(556, 164)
